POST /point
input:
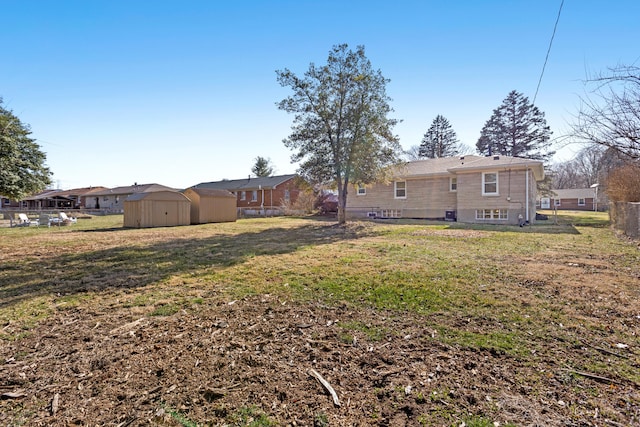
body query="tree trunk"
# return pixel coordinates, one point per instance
(342, 204)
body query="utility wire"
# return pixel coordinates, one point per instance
(548, 50)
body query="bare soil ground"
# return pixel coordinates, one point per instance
(251, 361)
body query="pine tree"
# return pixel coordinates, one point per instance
(516, 128)
(440, 140)
(262, 167)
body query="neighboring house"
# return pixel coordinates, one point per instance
(470, 189)
(260, 195)
(7, 203)
(59, 199)
(575, 199)
(112, 200)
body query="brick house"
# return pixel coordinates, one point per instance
(260, 195)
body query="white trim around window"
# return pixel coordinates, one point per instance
(453, 184)
(582, 202)
(361, 190)
(491, 214)
(490, 184)
(400, 189)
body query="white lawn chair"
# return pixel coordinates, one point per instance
(24, 221)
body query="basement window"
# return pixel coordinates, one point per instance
(491, 214)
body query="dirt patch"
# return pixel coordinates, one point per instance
(238, 362)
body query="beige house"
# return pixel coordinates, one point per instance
(211, 205)
(157, 209)
(112, 199)
(470, 189)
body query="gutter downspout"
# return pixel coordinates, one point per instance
(527, 196)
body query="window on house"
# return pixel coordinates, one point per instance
(254, 196)
(287, 196)
(556, 202)
(361, 190)
(486, 214)
(243, 195)
(400, 188)
(581, 202)
(490, 183)
(453, 183)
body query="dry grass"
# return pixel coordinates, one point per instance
(562, 295)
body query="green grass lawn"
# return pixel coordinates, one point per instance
(529, 293)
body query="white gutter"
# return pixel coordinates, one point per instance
(527, 196)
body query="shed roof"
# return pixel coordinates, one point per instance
(211, 192)
(158, 195)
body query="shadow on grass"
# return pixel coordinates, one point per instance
(136, 265)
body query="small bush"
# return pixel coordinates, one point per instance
(623, 184)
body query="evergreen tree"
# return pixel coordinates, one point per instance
(22, 168)
(516, 128)
(262, 167)
(440, 140)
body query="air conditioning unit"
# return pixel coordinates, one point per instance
(372, 214)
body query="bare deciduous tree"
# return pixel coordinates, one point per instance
(610, 113)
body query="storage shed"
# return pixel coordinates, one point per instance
(211, 205)
(156, 209)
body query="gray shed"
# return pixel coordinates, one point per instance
(211, 205)
(156, 209)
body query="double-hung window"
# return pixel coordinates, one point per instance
(400, 189)
(453, 183)
(361, 190)
(490, 184)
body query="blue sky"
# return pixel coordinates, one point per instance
(182, 92)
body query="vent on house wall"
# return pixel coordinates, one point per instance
(496, 157)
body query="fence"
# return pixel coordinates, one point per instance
(625, 217)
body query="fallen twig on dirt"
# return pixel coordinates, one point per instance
(594, 377)
(326, 385)
(604, 350)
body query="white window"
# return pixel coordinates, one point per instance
(254, 196)
(453, 183)
(361, 190)
(400, 188)
(501, 214)
(287, 195)
(243, 195)
(581, 202)
(490, 183)
(556, 202)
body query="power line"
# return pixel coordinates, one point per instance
(548, 50)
